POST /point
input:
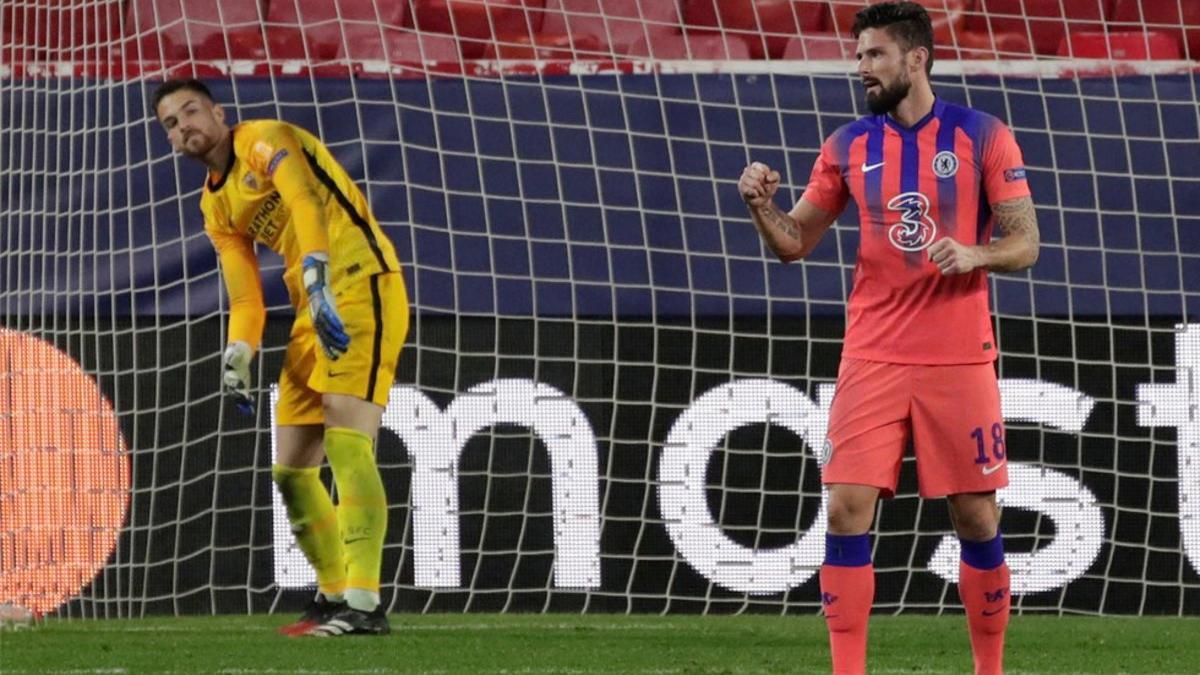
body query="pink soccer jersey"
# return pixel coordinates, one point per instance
(914, 186)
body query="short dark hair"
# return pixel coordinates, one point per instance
(171, 86)
(907, 22)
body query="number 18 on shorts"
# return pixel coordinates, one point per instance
(951, 413)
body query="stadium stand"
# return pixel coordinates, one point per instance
(477, 24)
(1121, 45)
(321, 32)
(1044, 23)
(49, 31)
(351, 29)
(616, 24)
(206, 30)
(765, 25)
(1181, 20)
(639, 29)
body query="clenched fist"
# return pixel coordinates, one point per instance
(953, 258)
(758, 184)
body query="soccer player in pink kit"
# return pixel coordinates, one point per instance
(931, 179)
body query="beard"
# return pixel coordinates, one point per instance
(197, 145)
(886, 100)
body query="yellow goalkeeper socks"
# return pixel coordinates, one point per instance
(315, 524)
(361, 512)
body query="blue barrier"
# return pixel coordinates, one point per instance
(604, 195)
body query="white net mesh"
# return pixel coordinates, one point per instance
(611, 399)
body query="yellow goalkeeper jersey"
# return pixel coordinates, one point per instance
(284, 189)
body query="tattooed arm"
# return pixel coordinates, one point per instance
(1016, 250)
(790, 236)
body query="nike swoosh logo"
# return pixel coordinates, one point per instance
(867, 168)
(332, 374)
(356, 539)
(989, 470)
(987, 613)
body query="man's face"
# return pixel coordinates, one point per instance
(884, 70)
(193, 123)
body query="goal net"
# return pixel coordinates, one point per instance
(612, 398)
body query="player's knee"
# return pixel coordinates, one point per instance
(979, 530)
(282, 477)
(848, 517)
(976, 520)
(351, 413)
(286, 481)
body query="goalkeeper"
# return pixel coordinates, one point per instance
(276, 184)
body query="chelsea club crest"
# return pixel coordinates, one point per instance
(826, 452)
(945, 164)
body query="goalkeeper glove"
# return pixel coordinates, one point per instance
(237, 376)
(330, 331)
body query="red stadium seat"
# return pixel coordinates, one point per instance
(200, 29)
(615, 24)
(476, 23)
(766, 25)
(361, 42)
(545, 46)
(327, 29)
(987, 45)
(316, 13)
(52, 29)
(1122, 45)
(153, 47)
(676, 46)
(821, 46)
(156, 55)
(1179, 18)
(295, 43)
(618, 23)
(382, 43)
(1043, 22)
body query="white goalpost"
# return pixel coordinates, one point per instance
(612, 398)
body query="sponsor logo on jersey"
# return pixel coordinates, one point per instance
(916, 229)
(945, 164)
(264, 226)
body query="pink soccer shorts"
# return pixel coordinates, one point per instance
(951, 413)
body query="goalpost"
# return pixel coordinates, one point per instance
(612, 399)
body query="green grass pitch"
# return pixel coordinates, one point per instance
(476, 643)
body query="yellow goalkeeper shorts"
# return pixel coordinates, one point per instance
(375, 314)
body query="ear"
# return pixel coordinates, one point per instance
(219, 113)
(917, 58)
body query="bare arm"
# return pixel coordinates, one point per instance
(790, 236)
(1016, 250)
